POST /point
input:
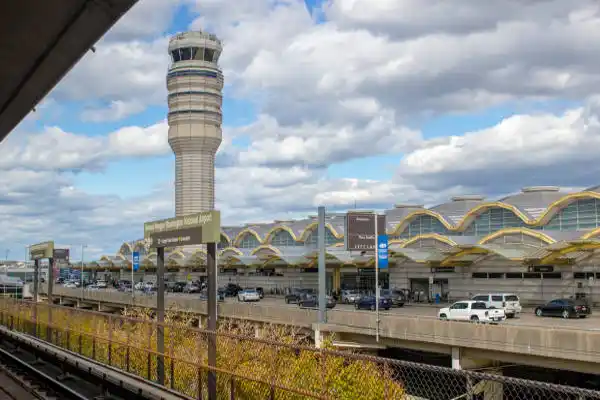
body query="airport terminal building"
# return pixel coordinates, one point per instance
(541, 243)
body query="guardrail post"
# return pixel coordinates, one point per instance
(211, 269)
(160, 315)
(232, 388)
(149, 351)
(200, 388)
(110, 329)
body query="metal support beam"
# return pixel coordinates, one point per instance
(36, 290)
(160, 315)
(211, 269)
(50, 297)
(322, 266)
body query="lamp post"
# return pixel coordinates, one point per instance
(83, 246)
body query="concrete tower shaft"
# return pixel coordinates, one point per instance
(195, 85)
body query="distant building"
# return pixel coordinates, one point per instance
(540, 243)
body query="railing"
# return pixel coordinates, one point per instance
(252, 363)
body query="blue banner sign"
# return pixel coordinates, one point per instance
(382, 251)
(136, 260)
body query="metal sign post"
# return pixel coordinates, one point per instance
(211, 269)
(376, 255)
(381, 262)
(322, 266)
(38, 252)
(194, 229)
(135, 265)
(160, 314)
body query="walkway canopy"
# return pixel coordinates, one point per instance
(565, 252)
(43, 39)
(470, 254)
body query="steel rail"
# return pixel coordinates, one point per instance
(10, 361)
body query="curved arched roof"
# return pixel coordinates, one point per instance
(264, 234)
(531, 216)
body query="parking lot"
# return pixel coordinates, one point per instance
(527, 318)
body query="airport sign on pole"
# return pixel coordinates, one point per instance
(360, 227)
(136, 261)
(61, 255)
(41, 250)
(382, 251)
(199, 228)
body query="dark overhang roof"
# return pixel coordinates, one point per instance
(40, 41)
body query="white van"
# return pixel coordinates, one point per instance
(509, 302)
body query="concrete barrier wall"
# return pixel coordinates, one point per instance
(562, 343)
(568, 344)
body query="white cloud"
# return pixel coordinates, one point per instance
(55, 149)
(115, 111)
(355, 86)
(520, 150)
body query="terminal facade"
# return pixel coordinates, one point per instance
(540, 244)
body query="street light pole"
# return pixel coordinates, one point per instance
(83, 246)
(376, 278)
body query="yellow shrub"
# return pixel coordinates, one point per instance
(277, 361)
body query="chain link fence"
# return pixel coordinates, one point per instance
(269, 362)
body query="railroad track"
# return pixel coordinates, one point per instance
(31, 368)
(24, 376)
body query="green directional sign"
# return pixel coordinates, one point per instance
(193, 229)
(42, 250)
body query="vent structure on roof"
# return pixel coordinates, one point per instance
(531, 189)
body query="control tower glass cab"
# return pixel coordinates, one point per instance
(195, 85)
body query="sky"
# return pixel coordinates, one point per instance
(337, 103)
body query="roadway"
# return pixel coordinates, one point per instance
(426, 311)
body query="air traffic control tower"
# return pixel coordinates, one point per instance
(195, 85)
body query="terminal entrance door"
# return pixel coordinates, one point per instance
(366, 280)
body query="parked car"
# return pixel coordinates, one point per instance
(248, 295)
(101, 284)
(232, 289)
(191, 288)
(470, 310)
(566, 308)
(312, 301)
(124, 287)
(139, 286)
(220, 295)
(350, 296)
(178, 287)
(70, 285)
(298, 294)
(369, 302)
(509, 302)
(261, 292)
(395, 296)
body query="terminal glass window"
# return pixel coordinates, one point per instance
(249, 241)
(581, 214)
(282, 238)
(330, 239)
(493, 220)
(223, 243)
(424, 224)
(125, 250)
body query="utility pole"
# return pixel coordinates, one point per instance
(83, 246)
(377, 296)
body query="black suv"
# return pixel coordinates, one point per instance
(232, 289)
